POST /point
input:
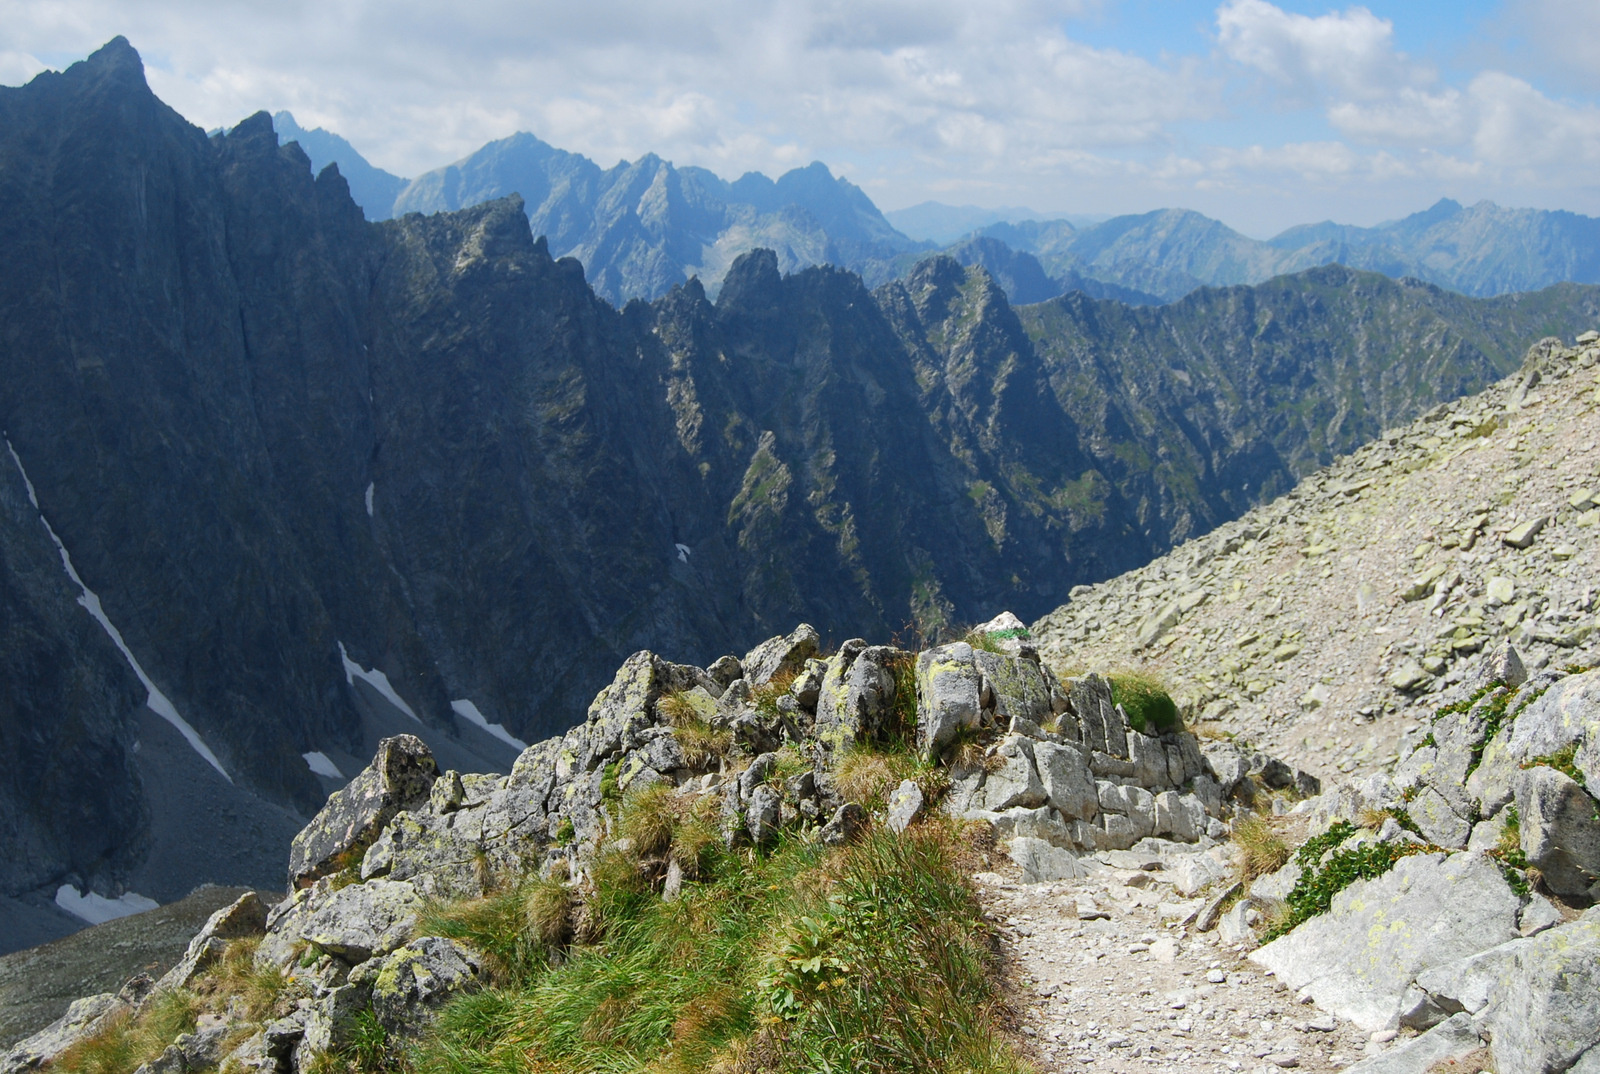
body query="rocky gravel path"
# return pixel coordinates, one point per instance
(1108, 974)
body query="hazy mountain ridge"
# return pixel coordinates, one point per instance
(1484, 250)
(282, 442)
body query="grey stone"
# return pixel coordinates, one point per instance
(1100, 723)
(1277, 885)
(1182, 816)
(1228, 764)
(1560, 830)
(856, 693)
(439, 854)
(331, 1023)
(948, 687)
(1233, 927)
(364, 920)
(1211, 912)
(400, 777)
(762, 814)
(1042, 861)
(447, 794)
(848, 820)
(1522, 535)
(1538, 915)
(1042, 823)
(1360, 958)
(1449, 1040)
(725, 669)
(1193, 873)
(1439, 823)
(905, 803)
(1067, 782)
(1014, 782)
(1019, 686)
(780, 655)
(245, 916)
(410, 983)
(1408, 676)
(83, 1018)
(1539, 997)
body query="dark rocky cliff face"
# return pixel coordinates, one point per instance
(284, 445)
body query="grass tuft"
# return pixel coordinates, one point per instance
(872, 957)
(127, 1041)
(1258, 848)
(1146, 700)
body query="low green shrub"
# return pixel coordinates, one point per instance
(1323, 879)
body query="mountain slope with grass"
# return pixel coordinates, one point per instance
(1323, 625)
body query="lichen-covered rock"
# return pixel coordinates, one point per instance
(948, 695)
(782, 655)
(1012, 780)
(410, 983)
(245, 916)
(1103, 728)
(856, 694)
(400, 777)
(1361, 958)
(364, 920)
(83, 1019)
(1560, 827)
(442, 856)
(847, 822)
(1017, 683)
(905, 803)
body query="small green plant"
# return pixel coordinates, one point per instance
(261, 991)
(983, 641)
(1564, 761)
(368, 1048)
(1313, 893)
(515, 930)
(609, 790)
(1507, 853)
(648, 816)
(1150, 708)
(765, 697)
(564, 833)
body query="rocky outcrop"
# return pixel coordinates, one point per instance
(1081, 783)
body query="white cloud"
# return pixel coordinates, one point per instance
(911, 98)
(1351, 52)
(17, 67)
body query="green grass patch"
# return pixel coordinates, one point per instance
(1564, 761)
(1150, 708)
(871, 957)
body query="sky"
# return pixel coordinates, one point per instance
(1262, 114)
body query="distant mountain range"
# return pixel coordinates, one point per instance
(277, 479)
(642, 228)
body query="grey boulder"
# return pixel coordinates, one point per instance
(400, 777)
(1361, 958)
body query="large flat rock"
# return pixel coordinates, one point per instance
(1361, 959)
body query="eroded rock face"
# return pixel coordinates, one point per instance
(399, 777)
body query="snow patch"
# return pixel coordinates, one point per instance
(683, 552)
(377, 680)
(371, 487)
(319, 763)
(97, 909)
(469, 712)
(156, 700)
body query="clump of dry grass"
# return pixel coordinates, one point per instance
(1258, 848)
